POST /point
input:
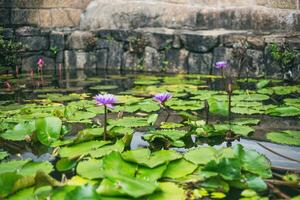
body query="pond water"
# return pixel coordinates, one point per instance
(264, 116)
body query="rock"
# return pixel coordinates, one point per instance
(80, 60)
(102, 57)
(57, 40)
(199, 43)
(35, 43)
(81, 40)
(28, 31)
(159, 41)
(256, 63)
(131, 61)
(176, 60)
(115, 55)
(200, 63)
(30, 62)
(256, 42)
(152, 60)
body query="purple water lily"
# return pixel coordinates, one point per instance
(106, 100)
(162, 97)
(221, 64)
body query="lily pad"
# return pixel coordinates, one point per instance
(285, 137)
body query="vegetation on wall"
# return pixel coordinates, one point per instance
(9, 52)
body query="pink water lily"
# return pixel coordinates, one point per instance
(40, 63)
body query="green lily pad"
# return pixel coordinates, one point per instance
(285, 137)
(200, 156)
(48, 129)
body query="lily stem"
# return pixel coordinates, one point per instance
(105, 123)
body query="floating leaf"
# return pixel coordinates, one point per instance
(91, 169)
(168, 190)
(81, 149)
(285, 137)
(20, 131)
(200, 156)
(48, 129)
(179, 168)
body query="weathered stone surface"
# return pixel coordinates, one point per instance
(80, 60)
(115, 55)
(199, 43)
(30, 62)
(127, 14)
(35, 43)
(81, 40)
(256, 42)
(131, 61)
(65, 17)
(152, 60)
(256, 63)
(159, 41)
(200, 63)
(28, 31)
(57, 40)
(4, 17)
(102, 57)
(177, 60)
(45, 18)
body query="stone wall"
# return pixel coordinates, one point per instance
(150, 49)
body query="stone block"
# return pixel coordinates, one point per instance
(57, 40)
(159, 41)
(199, 43)
(35, 43)
(4, 17)
(28, 31)
(81, 40)
(152, 60)
(80, 60)
(102, 57)
(176, 60)
(115, 55)
(45, 19)
(256, 63)
(131, 61)
(19, 16)
(65, 17)
(30, 62)
(200, 63)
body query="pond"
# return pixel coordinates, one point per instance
(205, 140)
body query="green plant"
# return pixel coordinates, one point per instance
(284, 56)
(54, 50)
(9, 52)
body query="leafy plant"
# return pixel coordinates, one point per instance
(284, 56)
(9, 52)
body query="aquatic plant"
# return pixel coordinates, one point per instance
(107, 100)
(162, 97)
